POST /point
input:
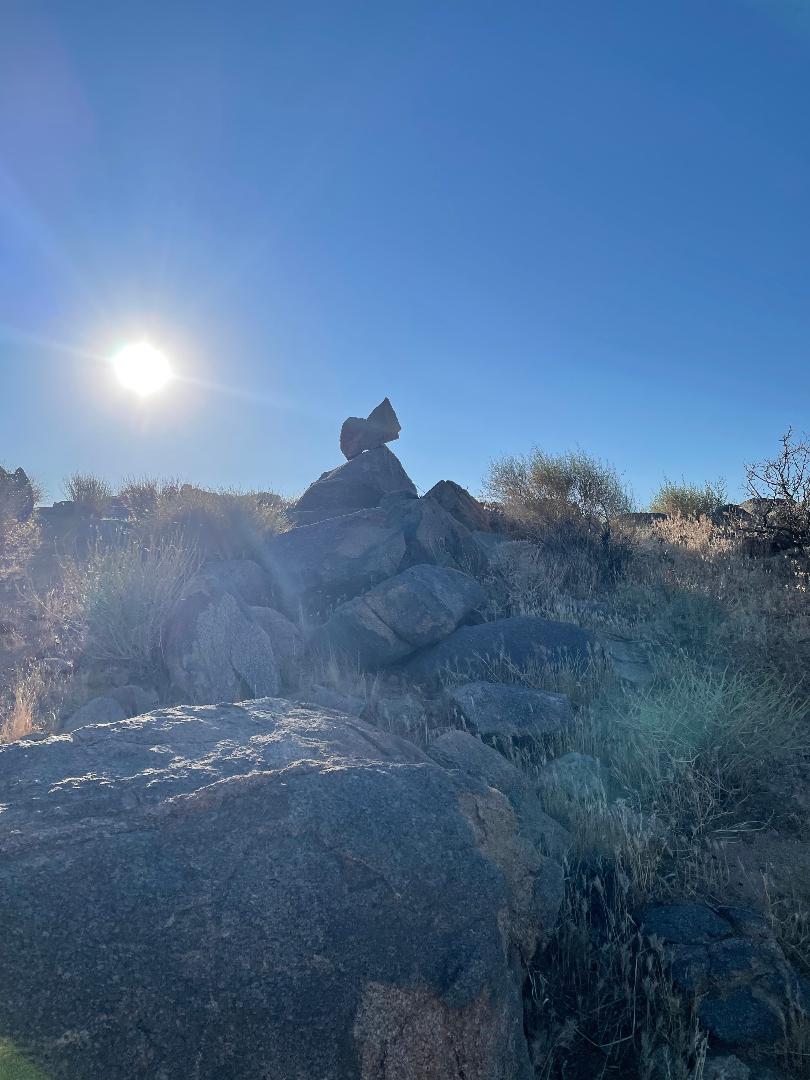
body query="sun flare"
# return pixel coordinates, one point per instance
(142, 369)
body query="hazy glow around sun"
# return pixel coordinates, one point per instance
(142, 368)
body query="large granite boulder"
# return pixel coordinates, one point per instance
(215, 651)
(316, 566)
(508, 711)
(416, 608)
(261, 890)
(358, 485)
(379, 427)
(520, 642)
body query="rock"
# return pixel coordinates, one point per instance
(416, 608)
(325, 697)
(334, 560)
(243, 578)
(578, 778)
(509, 711)
(462, 751)
(215, 652)
(380, 426)
(628, 657)
(731, 962)
(261, 890)
(318, 565)
(360, 484)
(288, 642)
(16, 496)
(98, 710)
(729, 515)
(725, 1067)
(458, 502)
(521, 641)
(135, 700)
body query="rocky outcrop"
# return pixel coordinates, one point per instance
(262, 890)
(215, 652)
(316, 566)
(358, 485)
(98, 710)
(522, 641)
(243, 578)
(414, 609)
(379, 427)
(509, 711)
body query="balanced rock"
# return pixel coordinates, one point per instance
(262, 891)
(380, 426)
(414, 609)
(358, 485)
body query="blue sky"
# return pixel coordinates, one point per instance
(567, 224)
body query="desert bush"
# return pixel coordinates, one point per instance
(145, 496)
(221, 524)
(90, 492)
(542, 487)
(124, 597)
(688, 500)
(783, 484)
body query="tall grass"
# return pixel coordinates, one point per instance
(125, 596)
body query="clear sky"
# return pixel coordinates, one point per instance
(571, 223)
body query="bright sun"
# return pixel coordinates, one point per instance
(142, 369)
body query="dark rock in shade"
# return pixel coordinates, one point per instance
(475, 651)
(98, 710)
(317, 565)
(509, 710)
(16, 495)
(287, 639)
(416, 608)
(358, 485)
(333, 560)
(457, 501)
(730, 960)
(215, 652)
(243, 578)
(729, 514)
(261, 891)
(380, 426)
(577, 778)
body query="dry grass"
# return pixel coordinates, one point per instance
(34, 705)
(688, 500)
(122, 599)
(90, 492)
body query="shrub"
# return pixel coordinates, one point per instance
(146, 496)
(688, 500)
(782, 484)
(90, 492)
(125, 597)
(547, 487)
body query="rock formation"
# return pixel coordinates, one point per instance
(380, 426)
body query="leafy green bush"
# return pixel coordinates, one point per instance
(688, 500)
(551, 487)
